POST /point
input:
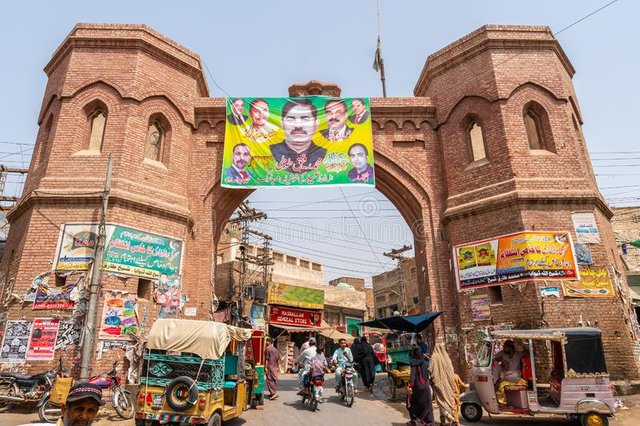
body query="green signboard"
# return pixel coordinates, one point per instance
(128, 251)
(295, 296)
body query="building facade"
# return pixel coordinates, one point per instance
(490, 144)
(397, 290)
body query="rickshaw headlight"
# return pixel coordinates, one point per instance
(201, 403)
(141, 398)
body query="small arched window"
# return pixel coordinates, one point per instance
(538, 127)
(476, 140)
(97, 123)
(44, 140)
(155, 141)
(534, 129)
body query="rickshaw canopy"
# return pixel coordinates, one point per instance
(207, 339)
(409, 323)
(582, 345)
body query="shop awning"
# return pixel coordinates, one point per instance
(296, 328)
(335, 335)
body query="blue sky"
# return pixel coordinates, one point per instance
(259, 48)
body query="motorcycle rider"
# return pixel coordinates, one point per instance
(342, 356)
(304, 363)
(318, 366)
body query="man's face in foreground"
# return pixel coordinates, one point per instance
(80, 413)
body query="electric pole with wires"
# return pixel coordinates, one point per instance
(396, 254)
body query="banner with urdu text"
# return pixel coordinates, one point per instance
(128, 251)
(305, 141)
(515, 257)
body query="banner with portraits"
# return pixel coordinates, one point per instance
(297, 142)
(513, 258)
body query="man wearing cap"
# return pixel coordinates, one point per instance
(304, 361)
(83, 401)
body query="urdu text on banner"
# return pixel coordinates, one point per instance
(296, 142)
(514, 258)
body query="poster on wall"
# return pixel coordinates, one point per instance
(513, 258)
(69, 334)
(168, 291)
(49, 297)
(586, 228)
(583, 254)
(292, 316)
(307, 141)
(44, 333)
(127, 251)
(480, 309)
(16, 341)
(119, 316)
(594, 282)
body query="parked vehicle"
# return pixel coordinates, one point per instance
(346, 389)
(315, 389)
(255, 356)
(49, 406)
(193, 372)
(578, 384)
(18, 389)
(120, 398)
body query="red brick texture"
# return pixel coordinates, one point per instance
(422, 165)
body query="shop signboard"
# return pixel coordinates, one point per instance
(291, 316)
(295, 296)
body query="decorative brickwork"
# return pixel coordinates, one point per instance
(422, 166)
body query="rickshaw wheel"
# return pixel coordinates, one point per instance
(393, 387)
(594, 419)
(471, 412)
(215, 420)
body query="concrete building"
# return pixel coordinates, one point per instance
(489, 145)
(397, 290)
(359, 285)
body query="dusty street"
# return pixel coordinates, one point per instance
(368, 409)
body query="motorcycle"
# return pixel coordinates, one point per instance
(120, 398)
(16, 388)
(48, 412)
(346, 389)
(315, 388)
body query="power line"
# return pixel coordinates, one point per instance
(586, 16)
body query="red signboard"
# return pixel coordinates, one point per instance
(293, 316)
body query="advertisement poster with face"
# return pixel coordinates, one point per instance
(288, 142)
(16, 341)
(44, 333)
(514, 258)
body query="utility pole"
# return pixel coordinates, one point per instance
(396, 254)
(264, 260)
(96, 279)
(4, 171)
(245, 214)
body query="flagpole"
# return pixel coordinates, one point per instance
(378, 63)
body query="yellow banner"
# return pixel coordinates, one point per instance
(307, 141)
(594, 282)
(516, 257)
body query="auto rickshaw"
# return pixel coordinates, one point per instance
(378, 342)
(255, 356)
(577, 385)
(398, 344)
(193, 372)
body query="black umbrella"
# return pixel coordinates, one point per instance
(411, 323)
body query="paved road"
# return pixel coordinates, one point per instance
(369, 409)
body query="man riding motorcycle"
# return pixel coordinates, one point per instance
(342, 356)
(304, 363)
